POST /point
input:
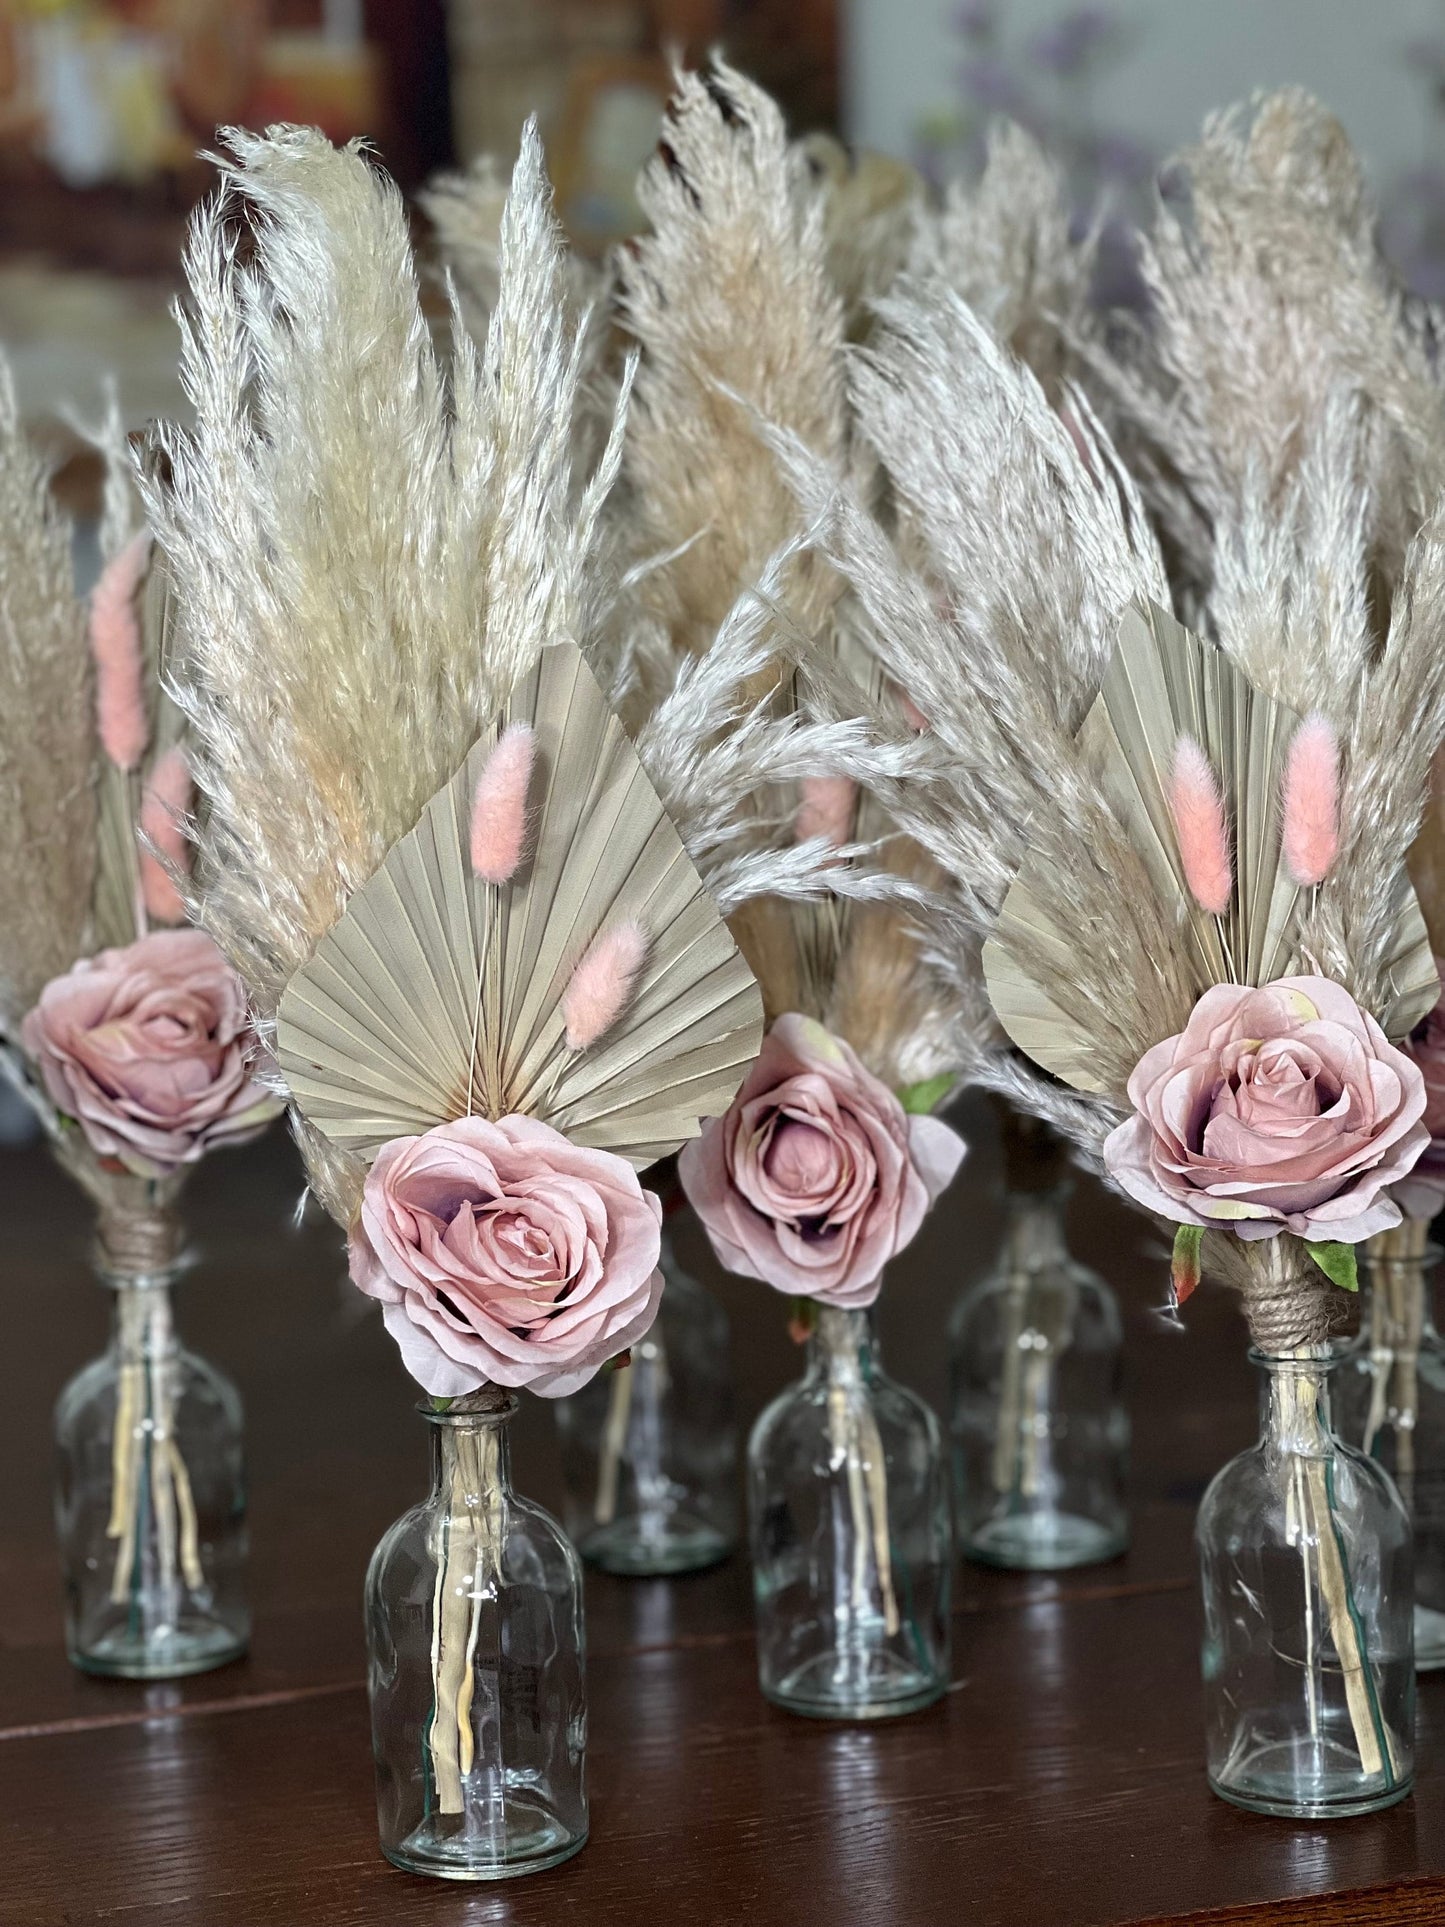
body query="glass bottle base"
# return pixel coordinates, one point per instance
(528, 1838)
(1429, 1639)
(1297, 1780)
(644, 1548)
(855, 1686)
(1043, 1542)
(195, 1645)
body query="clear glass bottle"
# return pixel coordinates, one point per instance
(649, 1450)
(1389, 1397)
(475, 1666)
(1308, 1660)
(851, 1535)
(150, 1500)
(1040, 1434)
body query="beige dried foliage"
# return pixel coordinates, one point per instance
(873, 206)
(369, 546)
(1291, 434)
(466, 209)
(1004, 245)
(761, 258)
(47, 732)
(366, 554)
(1270, 297)
(730, 301)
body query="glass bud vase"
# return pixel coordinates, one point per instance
(649, 1450)
(475, 1666)
(851, 1536)
(1305, 1560)
(1039, 1432)
(1389, 1396)
(150, 1500)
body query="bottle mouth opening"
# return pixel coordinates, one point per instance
(158, 1280)
(489, 1405)
(1305, 1363)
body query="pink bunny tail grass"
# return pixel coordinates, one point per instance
(499, 808)
(168, 797)
(603, 983)
(1198, 814)
(120, 707)
(1311, 838)
(825, 808)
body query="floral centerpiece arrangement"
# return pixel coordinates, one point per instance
(496, 985)
(824, 1167)
(1288, 369)
(128, 1034)
(1196, 920)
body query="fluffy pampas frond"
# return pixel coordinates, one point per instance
(47, 732)
(730, 301)
(1270, 296)
(1005, 245)
(1027, 545)
(366, 559)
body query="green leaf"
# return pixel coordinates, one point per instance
(802, 1318)
(1184, 1271)
(1337, 1262)
(922, 1099)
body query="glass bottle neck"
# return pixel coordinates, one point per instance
(142, 1322)
(1397, 1310)
(1295, 1406)
(1034, 1229)
(843, 1346)
(471, 1453)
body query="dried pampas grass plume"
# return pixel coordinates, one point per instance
(47, 731)
(366, 553)
(731, 303)
(1006, 246)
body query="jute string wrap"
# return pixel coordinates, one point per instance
(137, 1242)
(1286, 1297)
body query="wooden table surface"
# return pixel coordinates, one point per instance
(1060, 1783)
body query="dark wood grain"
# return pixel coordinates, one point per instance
(1060, 1784)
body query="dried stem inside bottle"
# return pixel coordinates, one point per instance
(856, 1450)
(149, 1482)
(467, 1547)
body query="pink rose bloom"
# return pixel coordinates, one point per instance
(1422, 1195)
(506, 1255)
(150, 1050)
(1279, 1109)
(816, 1176)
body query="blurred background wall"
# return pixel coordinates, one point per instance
(104, 105)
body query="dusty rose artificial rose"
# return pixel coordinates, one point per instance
(504, 1254)
(1422, 1195)
(150, 1050)
(1284, 1108)
(816, 1176)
